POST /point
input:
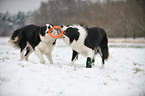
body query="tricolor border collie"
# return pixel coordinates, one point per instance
(34, 38)
(86, 41)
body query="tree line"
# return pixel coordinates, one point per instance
(9, 22)
(124, 18)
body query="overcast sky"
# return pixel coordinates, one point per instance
(13, 6)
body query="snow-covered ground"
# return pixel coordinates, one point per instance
(123, 75)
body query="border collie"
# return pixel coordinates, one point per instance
(34, 38)
(86, 41)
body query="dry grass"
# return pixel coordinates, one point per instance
(127, 40)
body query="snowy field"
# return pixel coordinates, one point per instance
(123, 75)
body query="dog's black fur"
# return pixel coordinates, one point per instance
(30, 33)
(95, 39)
(29, 37)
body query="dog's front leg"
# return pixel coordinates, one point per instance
(49, 56)
(74, 57)
(22, 53)
(89, 59)
(39, 54)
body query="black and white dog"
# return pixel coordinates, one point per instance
(86, 41)
(34, 38)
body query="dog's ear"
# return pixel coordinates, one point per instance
(51, 24)
(73, 33)
(42, 30)
(76, 34)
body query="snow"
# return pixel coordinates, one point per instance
(123, 75)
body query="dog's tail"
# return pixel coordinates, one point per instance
(104, 46)
(15, 38)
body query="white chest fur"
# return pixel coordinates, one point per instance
(46, 44)
(79, 44)
(45, 47)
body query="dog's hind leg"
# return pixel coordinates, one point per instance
(28, 52)
(102, 56)
(74, 57)
(49, 56)
(22, 53)
(93, 61)
(104, 50)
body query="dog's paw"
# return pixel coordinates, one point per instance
(43, 62)
(71, 64)
(93, 64)
(26, 59)
(102, 65)
(89, 66)
(20, 59)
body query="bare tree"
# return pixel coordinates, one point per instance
(119, 19)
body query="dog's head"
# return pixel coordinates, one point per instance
(46, 28)
(54, 32)
(63, 27)
(70, 33)
(44, 33)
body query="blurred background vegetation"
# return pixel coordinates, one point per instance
(122, 18)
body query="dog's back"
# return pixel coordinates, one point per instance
(30, 34)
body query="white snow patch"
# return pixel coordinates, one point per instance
(123, 75)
